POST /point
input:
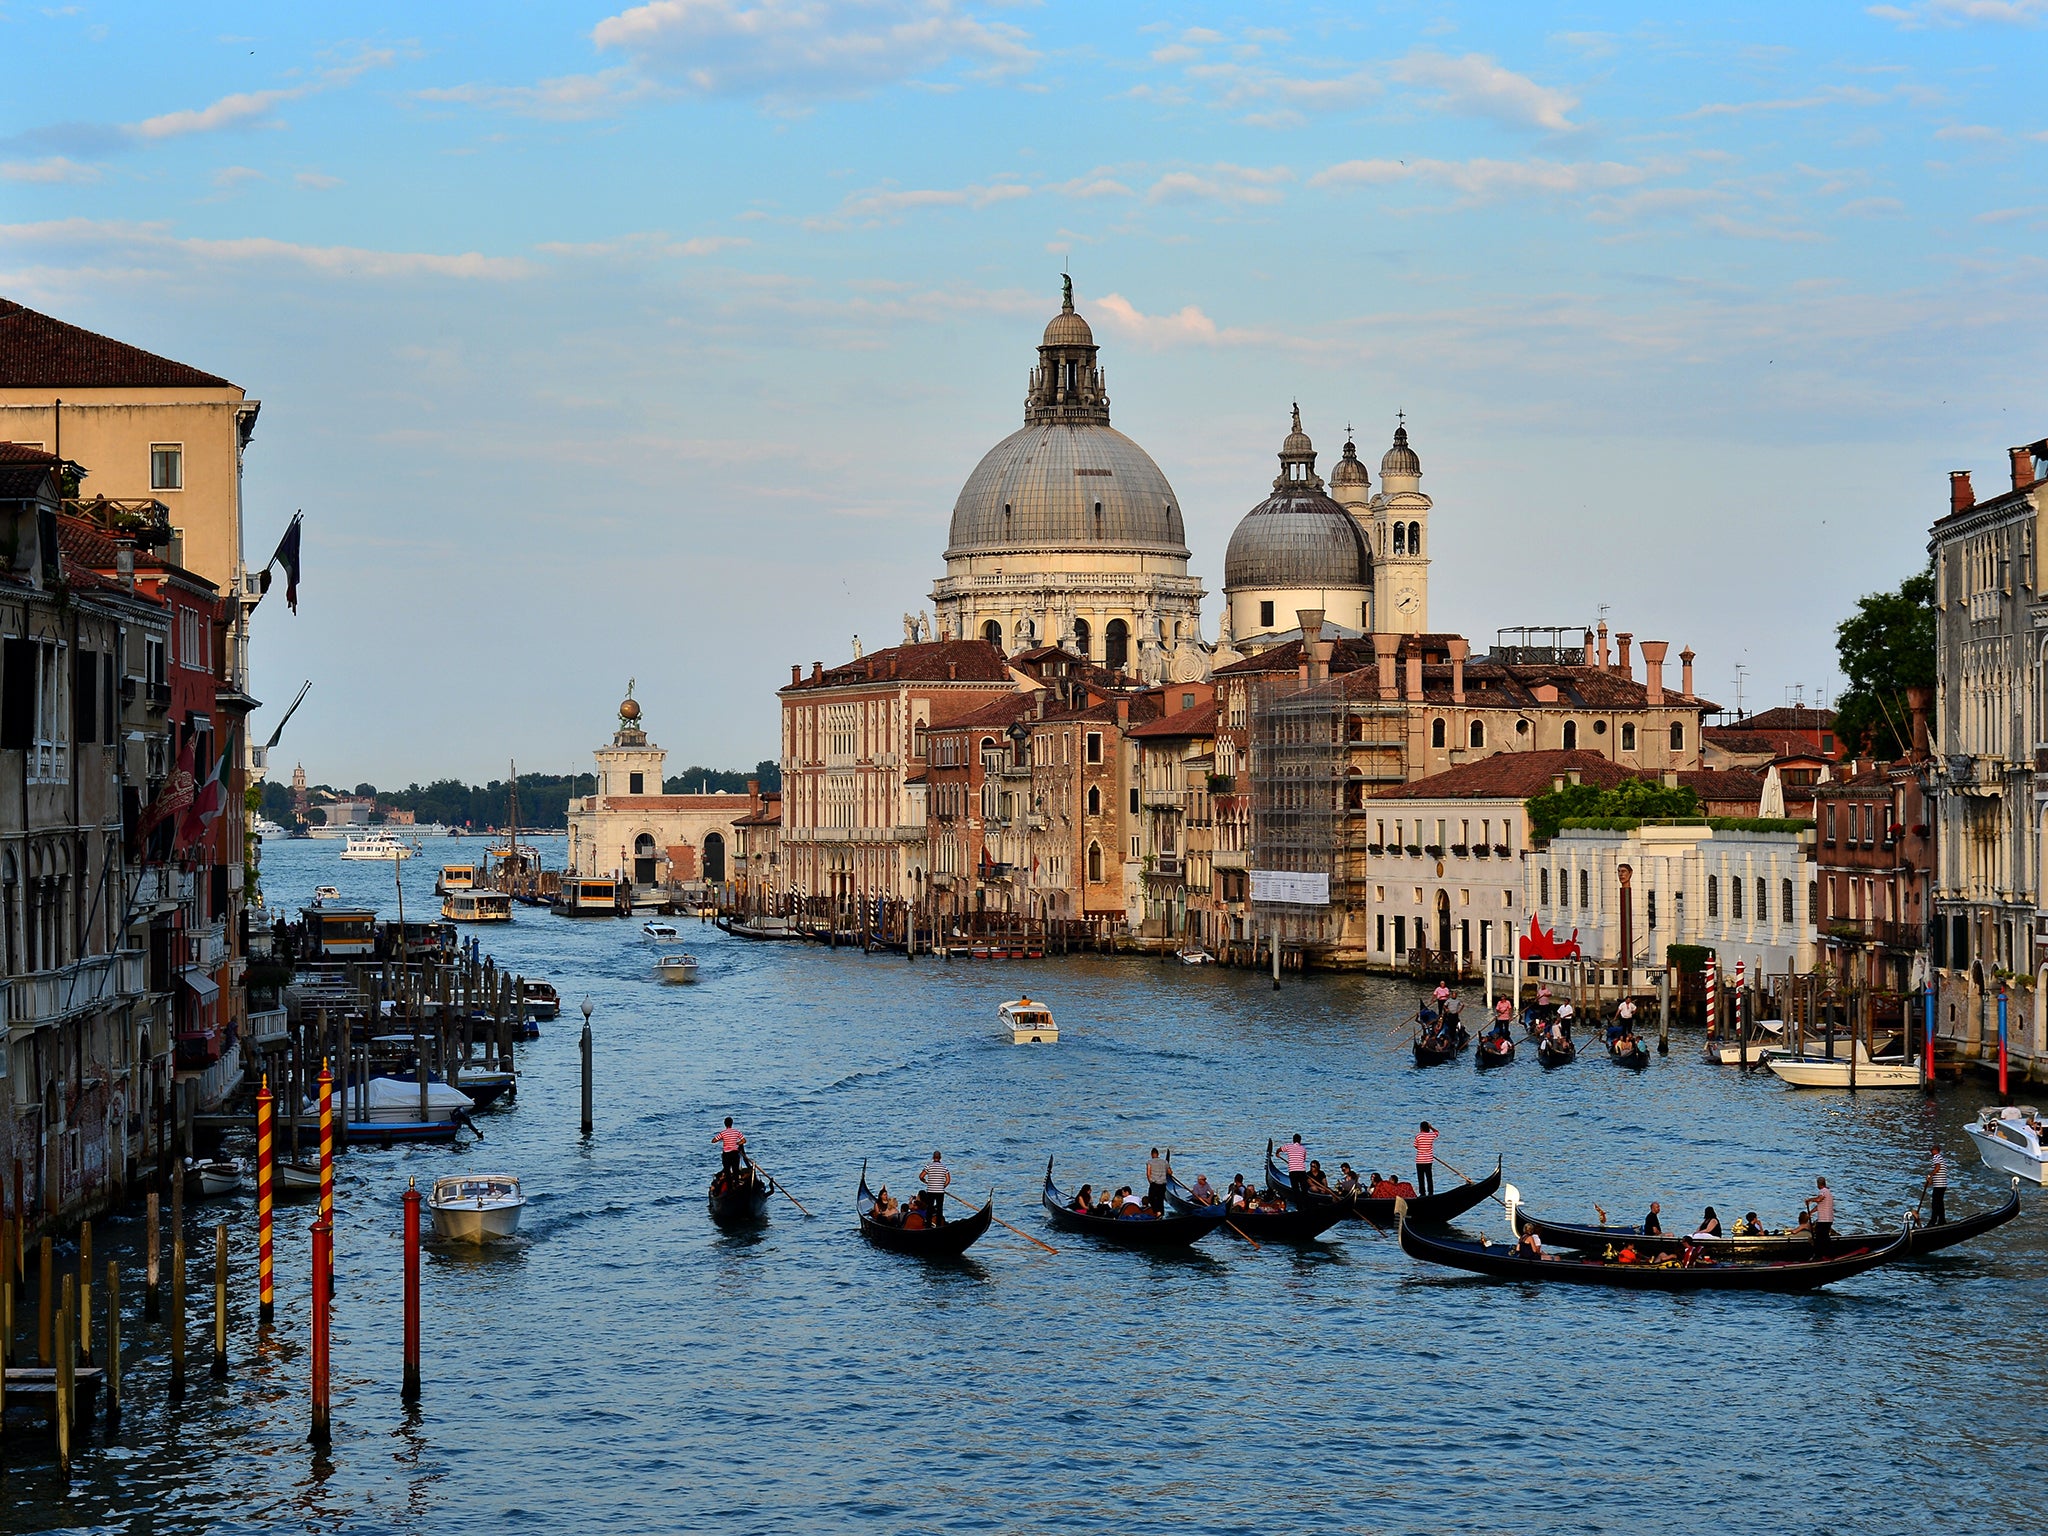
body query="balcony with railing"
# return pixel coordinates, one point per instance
(80, 987)
(1167, 866)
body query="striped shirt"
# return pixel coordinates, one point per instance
(1297, 1157)
(935, 1177)
(1940, 1172)
(1155, 1171)
(730, 1139)
(1425, 1147)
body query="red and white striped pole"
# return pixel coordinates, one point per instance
(1735, 1002)
(327, 1163)
(1713, 996)
(265, 1114)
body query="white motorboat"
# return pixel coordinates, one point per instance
(266, 829)
(1819, 1070)
(656, 929)
(1732, 1053)
(476, 1207)
(1195, 956)
(294, 1181)
(222, 1176)
(472, 906)
(375, 845)
(2010, 1140)
(1028, 1023)
(326, 893)
(676, 967)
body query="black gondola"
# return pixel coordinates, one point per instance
(1494, 1051)
(1293, 1225)
(743, 1202)
(1629, 1052)
(1552, 1051)
(1920, 1239)
(948, 1240)
(1153, 1232)
(1379, 1210)
(1433, 1048)
(1504, 1262)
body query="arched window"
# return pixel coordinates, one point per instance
(1763, 900)
(1543, 887)
(1436, 732)
(1082, 636)
(1628, 737)
(1116, 645)
(1786, 894)
(1477, 734)
(917, 741)
(1585, 890)
(1677, 736)
(992, 632)
(1571, 735)
(1095, 863)
(1400, 538)
(1415, 538)
(1098, 519)
(1094, 800)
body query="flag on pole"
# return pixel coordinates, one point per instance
(287, 555)
(208, 800)
(172, 797)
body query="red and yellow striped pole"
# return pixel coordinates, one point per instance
(265, 1114)
(327, 1161)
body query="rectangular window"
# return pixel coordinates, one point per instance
(110, 702)
(17, 695)
(1786, 895)
(1713, 896)
(1507, 898)
(1266, 614)
(1379, 834)
(1585, 898)
(636, 783)
(1828, 824)
(1650, 908)
(1380, 933)
(1134, 799)
(1095, 746)
(1677, 736)
(166, 467)
(1543, 887)
(1763, 900)
(1628, 737)
(85, 696)
(1400, 935)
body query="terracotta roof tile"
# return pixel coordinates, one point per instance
(1199, 721)
(934, 661)
(1510, 775)
(40, 352)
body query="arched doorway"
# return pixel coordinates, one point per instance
(1116, 645)
(992, 632)
(1443, 922)
(1082, 635)
(643, 859)
(714, 856)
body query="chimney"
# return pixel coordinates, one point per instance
(1311, 621)
(817, 671)
(753, 794)
(1573, 775)
(1917, 701)
(1960, 497)
(1557, 783)
(1415, 676)
(952, 671)
(1685, 673)
(1602, 653)
(1669, 778)
(796, 673)
(1038, 704)
(1590, 660)
(1622, 642)
(1383, 659)
(1654, 652)
(2022, 468)
(1460, 649)
(1123, 710)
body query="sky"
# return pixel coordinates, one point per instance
(655, 343)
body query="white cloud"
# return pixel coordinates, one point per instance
(795, 49)
(234, 111)
(1101, 182)
(1962, 13)
(1841, 95)
(1221, 183)
(145, 241)
(565, 98)
(1476, 86)
(653, 243)
(880, 204)
(1970, 133)
(2009, 215)
(317, 181)
(52, 171)
(1185, 326)
(1485, 180)
(229, 177)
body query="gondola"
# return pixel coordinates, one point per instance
(1553, 1052)
(742, 1206)
(1162, 1232)
(1920, 1239)
(948, 1240)
(1434, 1044)
(1443, 1206)
(1494, 1051)
(1636, 1056)
(1293, 1225)
(1504, 1263)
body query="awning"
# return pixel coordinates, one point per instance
(203, 986)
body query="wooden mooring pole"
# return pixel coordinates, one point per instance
(178, 1314)
(409, 1391)
(323, 1230)
(66, 1384)
(265, 1160)
(85, 1293)
(113, 1377)
(152, 1263)
(46, 1296)
(220, 1302)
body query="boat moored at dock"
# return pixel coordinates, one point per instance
(455, 877)
(580, 897)
(1846, 1070)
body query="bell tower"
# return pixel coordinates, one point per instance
(1400, 540)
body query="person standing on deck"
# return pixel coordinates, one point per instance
(1937, 1183)
(1822, 1204)
(1297, 1163)
(935, 1176)
(1156, 1171)
(731, 1142)
(1425, 1159)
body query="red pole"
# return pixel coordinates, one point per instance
(264, 1159)
(327, 1163)
(410, 1392)
(323, 1296)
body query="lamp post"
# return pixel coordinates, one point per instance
(586, 1066)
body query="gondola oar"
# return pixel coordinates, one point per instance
(1048, 1247)
(1495, 1198)
(792, 1199)
(1240, 1231)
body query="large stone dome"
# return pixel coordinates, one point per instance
(1297, 538)
(1058, 485)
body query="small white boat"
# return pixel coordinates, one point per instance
(476, 1207)
(1028, 1023)
(223, 1176)
(676, 967)
(326, 893)
(1731, 1053)
(290, 1180)
(473, 906)
(2010, 1140)
(1822, 1071)
(376, 845)
(657, 929)
(266, 829)
(1195, 956)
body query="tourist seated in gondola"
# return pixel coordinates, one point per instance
(1710, 1225)
(886, 1208)
(1749, 1225)
(1313, 1181)
(1347, 1185)
(1084, 1199)
(1627, 1254)
(1531, 1245)
(1200, 1193)
(1237, 1197)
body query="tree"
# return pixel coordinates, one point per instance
(1638, 799)
(1885, 647)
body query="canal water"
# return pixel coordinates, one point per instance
(626, 1367)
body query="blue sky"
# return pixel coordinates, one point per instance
(656, 342)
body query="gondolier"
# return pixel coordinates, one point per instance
(935, 1176)
(1937, 1183)
(1297, 1162)
(731, 1142)
(1425, 1159)
(1822, 1204)
(1156, 1174)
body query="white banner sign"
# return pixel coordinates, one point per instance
(1285, 885)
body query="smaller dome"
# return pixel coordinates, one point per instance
(1296, 444)
(1067, 329)
(1400, 459)
(630, 710)
(1349, 470)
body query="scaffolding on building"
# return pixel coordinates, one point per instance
(1300, 758)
